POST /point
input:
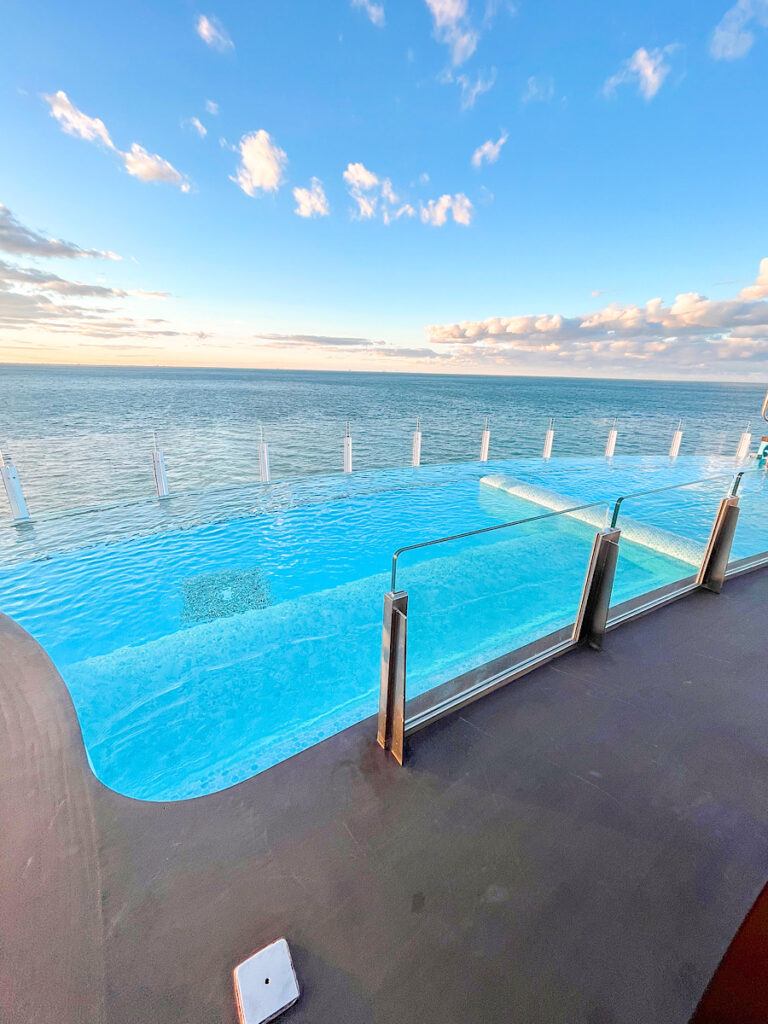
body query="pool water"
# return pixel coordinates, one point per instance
(198, 656)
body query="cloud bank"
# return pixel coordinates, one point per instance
(692, 333)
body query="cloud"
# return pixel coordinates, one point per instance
(40, 280)
(137, 161)
(366, 189)
(646, 68)
(75, 122)
(196, 124)
(435, 211)
(262, 164)
(22, 241)
(321, 340)
(691, 333)
(471, 90)
(375, 11)
(311, 202)
(452, 27)
(489, 151)
(211, 107)
(733, 37)
(212, 32)
(151, 167)
(540, 90)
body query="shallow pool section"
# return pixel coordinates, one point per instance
(199, 655)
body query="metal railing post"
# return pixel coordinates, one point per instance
(13, 488)
(596, 596)
(715, 562)
(391, 732)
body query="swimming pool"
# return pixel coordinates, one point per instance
(201, 647)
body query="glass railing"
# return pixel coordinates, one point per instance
(482, 607)
(750, 542)
(476, 596)
(664, 536)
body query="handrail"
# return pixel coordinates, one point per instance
(671, 487)
(486, 529)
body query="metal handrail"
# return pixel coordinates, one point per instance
(486, 529)
(674, 487)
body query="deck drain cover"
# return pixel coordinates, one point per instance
(215, 595)
(266, 984)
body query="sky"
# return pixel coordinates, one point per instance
(448, 186)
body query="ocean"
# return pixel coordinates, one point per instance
(82, 436)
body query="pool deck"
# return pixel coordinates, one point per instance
(580, 846)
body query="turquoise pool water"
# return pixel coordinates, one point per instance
(211, 638)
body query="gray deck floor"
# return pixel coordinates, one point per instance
(578, 847)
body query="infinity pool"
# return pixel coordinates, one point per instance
(201, 652)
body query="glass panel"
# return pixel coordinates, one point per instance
(751, 537)
(483, 596)
(664, 536)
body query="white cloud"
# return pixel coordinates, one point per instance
(361, 184)
(151, 167)
(197, 125)
(137, 161)
(211, 107)
(646, 68)
(23, 241)
(311, 202)
(471, 90)
(489, 151)
(453, 28)
(212, 32)
(261, 165)
(539, 89)
(691, 332)
(375, 11)
(435, 211)
(733, 37)
(75, 122)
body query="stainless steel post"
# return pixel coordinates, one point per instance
(391, 732)
(715, 562)
(596, 595)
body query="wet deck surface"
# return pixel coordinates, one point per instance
(578, 847)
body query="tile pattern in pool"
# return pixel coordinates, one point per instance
(281, 646)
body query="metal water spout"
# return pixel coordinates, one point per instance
(158, 466)
(548, 440)
(610, 444)
(347, 450)
(677, 437)
(13, 488)
(416, 454)
(485, 442)
(263, 458)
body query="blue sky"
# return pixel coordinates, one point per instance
(486, 186)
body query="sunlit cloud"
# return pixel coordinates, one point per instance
(452, 27)
(693, 332)
(311, 202)
(262, 163)
(211, 107)
(472, 88)
(435, 211)
(196, 125)
(540, 90)
(212, 32)
(645, 68)
(137, 160)
(19, 240)
(488, 152)
(375, 11)
(733, 37)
